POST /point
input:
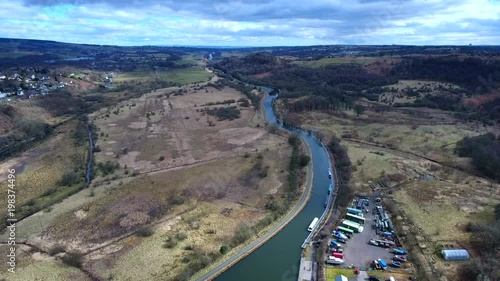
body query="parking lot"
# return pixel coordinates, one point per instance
(357, 251)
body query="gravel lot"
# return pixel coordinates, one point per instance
(358, 252)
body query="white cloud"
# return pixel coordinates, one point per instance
(254, 22)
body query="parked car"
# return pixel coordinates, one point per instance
(373, 278)
(336, 250)
(341, 240)
(373, 242)
(400, 252)
(376, 265)
(382, 263)
(400, 258)
(340, 235)
(334, 260)
(396, 263)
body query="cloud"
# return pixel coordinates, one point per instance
(254, 22)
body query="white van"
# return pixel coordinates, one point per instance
(392, 279)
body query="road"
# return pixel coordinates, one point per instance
(261, 240)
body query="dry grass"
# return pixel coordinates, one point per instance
(364, 61)
(44, 270)
(438, 220)
(166, 262)
(40, 169)
(150, 197)
(178, 131)
(206, 212)
(180, 76)
(401, 97)
(396, 129)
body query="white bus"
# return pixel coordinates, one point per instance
(313, 224)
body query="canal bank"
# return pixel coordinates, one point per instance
(278, 259)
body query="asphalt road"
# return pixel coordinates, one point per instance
(357, 250)
(261, 240)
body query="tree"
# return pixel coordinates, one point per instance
(359, 109)
(224, 249)
(304, 160)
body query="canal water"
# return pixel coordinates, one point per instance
(278, 259)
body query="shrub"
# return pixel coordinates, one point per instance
(170, 243)
(107, 168)
(225, 113)
(74, 259)
(161, 158)
(145, 231)
(224, 249)
(56, 249)
(242, 233)
(69, 179)
(181, 236)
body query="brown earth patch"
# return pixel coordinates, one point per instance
(479, 100)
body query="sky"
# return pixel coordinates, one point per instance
(254, 22)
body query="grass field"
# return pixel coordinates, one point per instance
(401, 97)
(324, 62)
(400, 130)
(43, 270)
(331, 272)
(44, 166)
(179, 76)
(370, 164)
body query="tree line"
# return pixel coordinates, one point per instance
(484, 151)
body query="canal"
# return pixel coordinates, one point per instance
(278, 259)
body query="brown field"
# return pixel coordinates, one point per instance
(432, 202)
(175, 130)
(211, 179)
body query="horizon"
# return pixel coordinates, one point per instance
(256, 46)
(260, 23)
